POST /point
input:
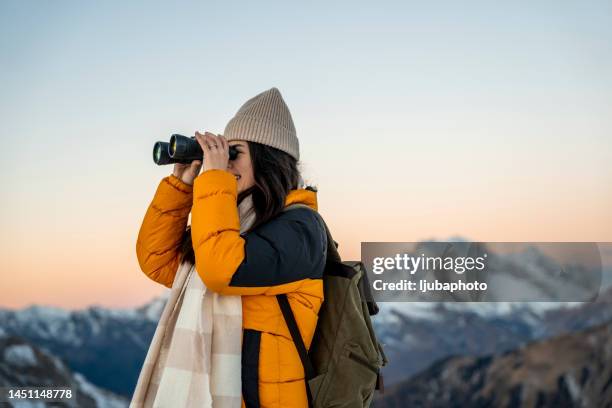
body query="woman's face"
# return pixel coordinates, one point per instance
(242, 167)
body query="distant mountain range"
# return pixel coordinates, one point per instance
(23, 364)
(415, 335)
(572, 370)
(104, 348)
(107, 346)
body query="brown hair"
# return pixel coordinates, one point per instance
(276, 173)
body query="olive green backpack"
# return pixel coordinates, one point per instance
(342, 367)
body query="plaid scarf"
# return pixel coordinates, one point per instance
(194, 359)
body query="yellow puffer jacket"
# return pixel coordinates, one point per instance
(285, 255)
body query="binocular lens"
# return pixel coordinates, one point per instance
(157, 151)
(160, 153)
(182, 149)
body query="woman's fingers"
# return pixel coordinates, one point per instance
(224, 143)
(217, 143)
(178, 169)
(212, 140)
(198, 136)
(195, 165)
(202, 141)
(216, 156)
(216, 151)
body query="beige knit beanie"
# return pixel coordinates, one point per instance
(265, 119)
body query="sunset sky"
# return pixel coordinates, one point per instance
(420, 120)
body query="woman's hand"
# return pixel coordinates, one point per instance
(216, 150)
(187, 172)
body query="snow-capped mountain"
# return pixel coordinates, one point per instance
(107, 346)
(72, 327)
(22, 364)
(415, 335)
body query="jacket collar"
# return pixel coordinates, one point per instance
(302, 196)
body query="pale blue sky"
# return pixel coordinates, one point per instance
(489, 120)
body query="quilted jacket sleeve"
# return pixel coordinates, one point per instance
(161, 232)
(277, 257)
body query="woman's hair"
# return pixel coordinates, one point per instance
(275, 174)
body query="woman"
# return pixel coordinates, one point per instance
(281, 252)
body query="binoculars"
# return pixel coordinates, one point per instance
(182, 149)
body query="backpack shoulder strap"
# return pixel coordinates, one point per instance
(309, 370)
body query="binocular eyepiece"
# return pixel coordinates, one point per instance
(182, 149)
